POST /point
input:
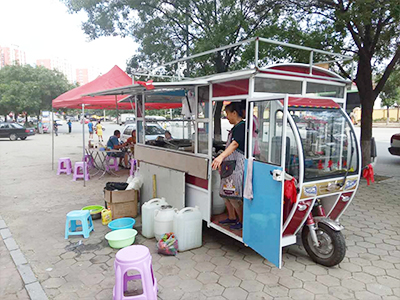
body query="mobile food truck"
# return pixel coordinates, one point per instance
(296, 128)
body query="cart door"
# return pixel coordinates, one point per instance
(262, 215)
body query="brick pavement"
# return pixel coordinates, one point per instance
(221, 269)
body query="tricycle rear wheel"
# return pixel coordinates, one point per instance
(332, 246)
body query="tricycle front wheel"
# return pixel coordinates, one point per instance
(332, 246)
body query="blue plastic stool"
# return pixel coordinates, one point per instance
(86, 225)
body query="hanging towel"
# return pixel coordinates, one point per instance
(248, 185)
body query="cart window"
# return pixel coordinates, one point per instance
(269, 85)
(203, 130)
(139, 133)
(203, 98)
(292, 151)
(329, 144)
(325, 90)
(267, 136)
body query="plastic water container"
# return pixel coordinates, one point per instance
(163, 220)
(218, 204)
(188, 228)
(148, 209)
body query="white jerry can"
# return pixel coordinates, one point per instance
(163, 220)
(188, 228)
(148, 209)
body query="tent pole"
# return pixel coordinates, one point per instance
(116, 106)
(83, 144)
(52, 137)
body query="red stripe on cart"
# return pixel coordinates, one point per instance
(340, 205)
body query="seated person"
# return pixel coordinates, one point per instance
(168, 136)
(132, 141)
(113, 143)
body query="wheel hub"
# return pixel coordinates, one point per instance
(325, 246)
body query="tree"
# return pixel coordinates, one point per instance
(28, 89)
(372, 30)
(171, 29)
(390, 94)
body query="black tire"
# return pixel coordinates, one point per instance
(333, 241)
(24, 138)
(13, 137)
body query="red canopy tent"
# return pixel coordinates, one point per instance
(112, 79)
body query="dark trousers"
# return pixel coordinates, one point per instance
(69, 129)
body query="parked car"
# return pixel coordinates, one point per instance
(153, 130)
(72, 118)
(129, 120)
(14, 131)
(395, 144)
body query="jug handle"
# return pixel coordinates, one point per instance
(187, 209)
(156, 200)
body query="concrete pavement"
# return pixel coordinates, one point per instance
(34, 202)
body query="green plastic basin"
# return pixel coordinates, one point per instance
(118, 239)
(95, 211)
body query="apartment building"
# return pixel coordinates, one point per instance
(10, 55)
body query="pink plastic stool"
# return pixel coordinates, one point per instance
(135, 258)
(113, 165)
(78, 171)
(64, 166)
(89, 160)
(133, 167)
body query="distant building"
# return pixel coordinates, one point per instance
(10, 55)
(82, 76)
(60, 64)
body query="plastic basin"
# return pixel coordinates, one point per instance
(122, 223)
(118, 239)
(95, 211)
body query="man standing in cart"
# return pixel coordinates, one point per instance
(231, 166)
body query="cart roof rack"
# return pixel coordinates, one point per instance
(310, 70)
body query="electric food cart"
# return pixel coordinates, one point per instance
(296, 128)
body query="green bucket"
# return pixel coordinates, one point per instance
(118, 239)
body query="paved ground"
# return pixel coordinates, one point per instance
(34, 202)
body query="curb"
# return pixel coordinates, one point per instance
(32, 285)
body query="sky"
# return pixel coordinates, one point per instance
(44, 29)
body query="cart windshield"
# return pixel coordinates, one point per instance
(329, 143)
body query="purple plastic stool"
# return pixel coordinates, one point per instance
(113, 165)
(64, 166)
(78, 171)
(136, 258)
(133, 166)
(89, 160)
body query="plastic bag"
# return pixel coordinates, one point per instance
(168, 244)
(112, 186)
(129, 180)
(136, 182)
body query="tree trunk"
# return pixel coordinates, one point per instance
(217, 121)
(220, 67)
(388, 115)
(367, 99)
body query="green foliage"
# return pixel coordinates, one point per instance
(367, 29)
(170, 29)
(29, 89)
(390, 94)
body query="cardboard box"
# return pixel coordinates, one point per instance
(122, 203)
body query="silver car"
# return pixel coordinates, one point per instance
(153, 130)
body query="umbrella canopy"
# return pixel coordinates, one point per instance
(112, 79)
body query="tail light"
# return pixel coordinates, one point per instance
(26, 130)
